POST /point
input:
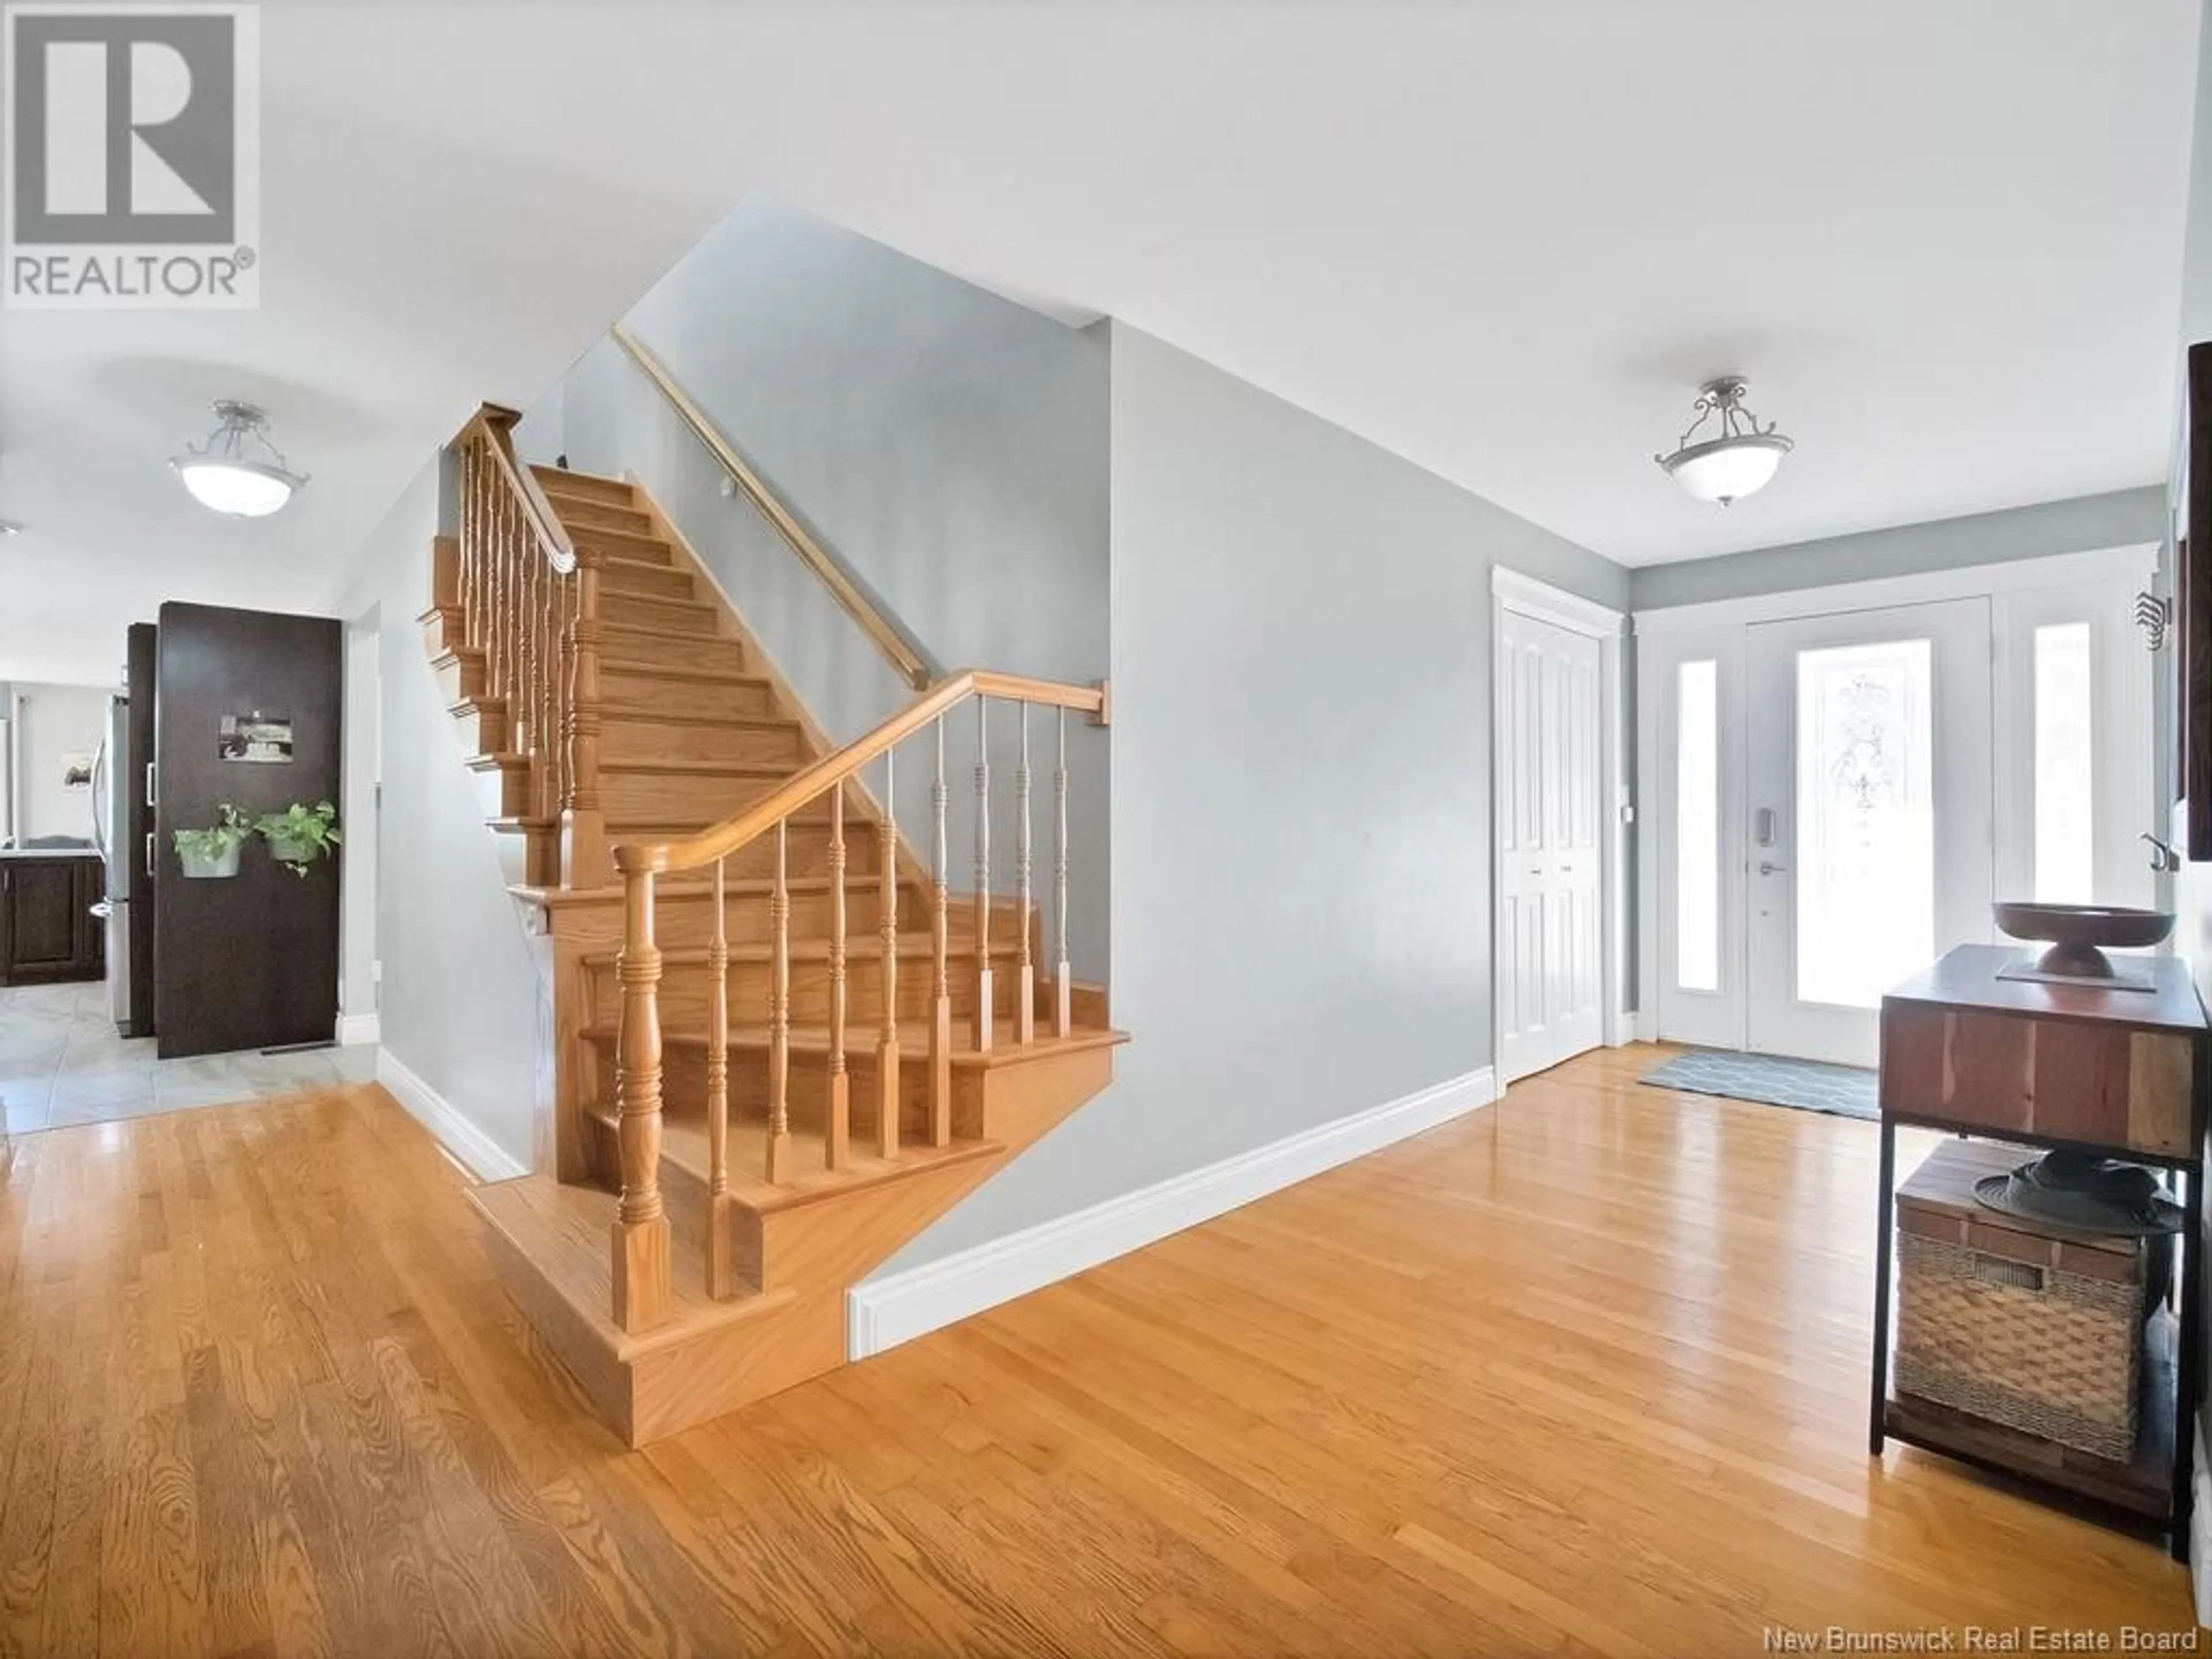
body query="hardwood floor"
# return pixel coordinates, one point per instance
(1582, 1373)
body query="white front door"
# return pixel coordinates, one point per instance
(1869, 850)
(1550, 813)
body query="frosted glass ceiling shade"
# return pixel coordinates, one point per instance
(224, 474)
(1727, 468)
(1737, 460)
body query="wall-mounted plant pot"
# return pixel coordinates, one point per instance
(199, 866)
(285, 850)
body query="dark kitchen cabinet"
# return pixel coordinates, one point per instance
(47, 930)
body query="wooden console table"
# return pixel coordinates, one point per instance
(2120, 1073)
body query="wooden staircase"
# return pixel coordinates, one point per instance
(711, 1185)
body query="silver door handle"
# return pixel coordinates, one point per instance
(1766, 869)
(149, 856)
(153, 792)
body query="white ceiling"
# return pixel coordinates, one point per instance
(1505, 238)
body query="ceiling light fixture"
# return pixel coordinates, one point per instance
(1738, 458)
(10, 527)
(226, 477)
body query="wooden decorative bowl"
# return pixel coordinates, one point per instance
(2077, 932)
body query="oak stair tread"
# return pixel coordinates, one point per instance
(914, 1041)
(683, 1143)
(689, 886)
(716, 768)
(911, 944)
(557, 475)
(562, 1231)
(659, 671)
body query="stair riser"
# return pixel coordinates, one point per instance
(580, 512)
(438, 634)
(620, 544)
(560, 485)
(807, 853)
(687, 925)
(503, 792)
(459, 676)
(691, 649)
(691, 616)
(641, 739)
(659, 582)
(529, 859)
(683, 1092)
(649, 797)
(626, 692)
(483, 730)
(684, 990)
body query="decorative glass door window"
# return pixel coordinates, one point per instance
(1866, 826)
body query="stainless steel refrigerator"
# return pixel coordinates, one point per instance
(112, 780)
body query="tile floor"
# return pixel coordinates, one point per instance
(61, 1063)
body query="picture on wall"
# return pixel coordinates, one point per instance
(76, 771)
(255, 736)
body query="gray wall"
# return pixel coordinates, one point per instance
(52, 722)
(2121, 518)
(461, 996)
(1301, 834)
(948, 446)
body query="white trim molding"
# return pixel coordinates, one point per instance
(1545, 602)
(476, 1151)
(358, 1030)
(1965, 581)
(882, 1313)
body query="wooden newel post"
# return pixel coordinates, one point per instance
(583, 824)
(642, 1294)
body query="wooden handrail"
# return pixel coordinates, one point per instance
(633, 858)
(874, 622)
(496, 422)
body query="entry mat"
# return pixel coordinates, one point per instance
(1807, 1085)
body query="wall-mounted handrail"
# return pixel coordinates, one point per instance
(889, 638)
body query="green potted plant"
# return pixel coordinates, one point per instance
(299, 834)
(212, 853)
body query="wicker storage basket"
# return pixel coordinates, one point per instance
(2024, 1323)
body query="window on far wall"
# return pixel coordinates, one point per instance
(1698, 827)
(2065, 796)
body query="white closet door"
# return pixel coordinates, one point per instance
(1550, 816)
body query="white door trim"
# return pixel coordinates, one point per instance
(1524, 595)
(1880, 593)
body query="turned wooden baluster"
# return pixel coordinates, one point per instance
(1063, 987)
(641, 1285)
(583, 825)
(941, 1007)
(836, 1141)
(779, 1018)
(495, 593)
(1024, 970)
(721, 1275)
(982, 879)
(887, 1041)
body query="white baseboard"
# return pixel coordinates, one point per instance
(2200, 1531)
(885, 1312)
(1647, 1025)
(476, 1151)
(357, 1030)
